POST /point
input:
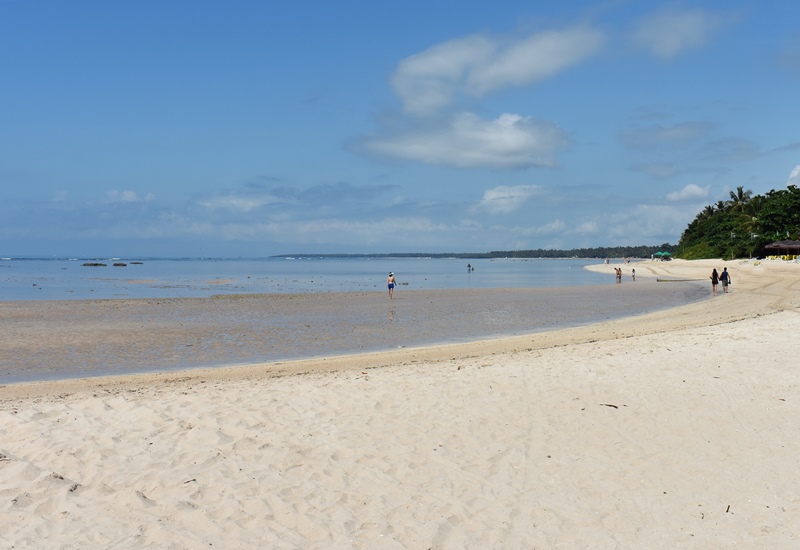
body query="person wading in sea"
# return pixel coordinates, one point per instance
(390, 282)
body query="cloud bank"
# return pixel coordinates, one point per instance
(671, 32)
(794, 177)
(690, 192)
(431, 80)
(468, 141)
(506, 199)
(431, 84)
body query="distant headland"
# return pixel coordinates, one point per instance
(644, 251)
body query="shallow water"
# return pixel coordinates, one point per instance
(64, 279)
(46, 340)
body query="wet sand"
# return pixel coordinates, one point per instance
(671, 429)
(49, 340)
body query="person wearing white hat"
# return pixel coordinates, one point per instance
(390, 282)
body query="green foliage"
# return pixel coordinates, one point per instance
(781, 214)
(699, 251)
(643, 251)
(742, 226)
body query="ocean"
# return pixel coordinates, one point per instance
(70, 279)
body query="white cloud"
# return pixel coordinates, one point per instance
(651, 222)
(794, 177)
(551, 228)
(535, 58)
(555, 227)
(127, 196)
(588, 228)
(239, 203)
(476, 65)
(406, 230)
(504, 199)
(427, 81)
(672, 32)
(691, 191)
(467, 141)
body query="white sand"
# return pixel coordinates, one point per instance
(679, 429)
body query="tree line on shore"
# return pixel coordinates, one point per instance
(643, 251)
(743, 225)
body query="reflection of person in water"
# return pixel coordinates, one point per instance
(390, 282)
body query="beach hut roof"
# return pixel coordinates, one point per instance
(784, 245)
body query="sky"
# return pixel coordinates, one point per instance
(257, 128)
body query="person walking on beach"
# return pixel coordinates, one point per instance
(714, 280)
(725, 277)
(633, 274)
(390, 282)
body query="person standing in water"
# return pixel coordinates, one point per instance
(390, 282)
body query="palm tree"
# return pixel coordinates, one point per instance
(739, 198)
(754, 206)
(751, 212)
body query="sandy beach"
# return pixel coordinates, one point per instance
(678, 428)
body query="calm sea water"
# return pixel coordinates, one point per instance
(313, 324)
(60, 279)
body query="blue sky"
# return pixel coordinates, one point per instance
(255, 128)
